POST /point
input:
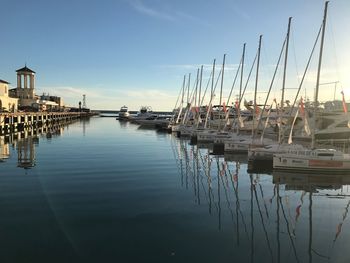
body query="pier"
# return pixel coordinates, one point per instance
(21, 121)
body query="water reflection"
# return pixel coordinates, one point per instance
(278, 217)
(25, 143)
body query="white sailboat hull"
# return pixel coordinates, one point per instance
(311, 162)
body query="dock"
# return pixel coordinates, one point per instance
(21, 121)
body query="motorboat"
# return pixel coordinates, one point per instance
(144, 113)
(124, 113)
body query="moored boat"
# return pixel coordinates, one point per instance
(123, 113)
(316, 160)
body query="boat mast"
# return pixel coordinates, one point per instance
(222, 84)
(241, 82)
(199, 96)
(256, 85)
(212, 80)
(196, 91)
(285, 64)
(182, 100)
(188, 88)
(280, 133)
(319, 73)
(200, 87)
(211, 95)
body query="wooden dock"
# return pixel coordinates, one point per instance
(20, 121)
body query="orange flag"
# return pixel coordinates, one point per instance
(345, 107)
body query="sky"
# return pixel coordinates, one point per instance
(136, 52)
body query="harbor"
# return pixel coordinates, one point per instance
(175, 131)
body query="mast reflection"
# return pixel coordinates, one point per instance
(272, 216)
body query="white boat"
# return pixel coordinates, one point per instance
(123, 113)
(316, 160)
(266, 152)
(207, 136)
(243, 143)
(144, 113)
(155, 122)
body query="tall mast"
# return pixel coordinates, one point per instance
(188, 88)
(285, 64)
(183, 90)
(200, 86)
(241, 82)
(212, 81)
(222, 78)
(319, 73)
(222, 84)
(196, 92)
(321, 52)
(280, 132)
(182, 99)
(256, 84)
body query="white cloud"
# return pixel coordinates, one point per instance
(165, 14)
(139, 6)
(206, 67)
(70, 95)
(105, 99)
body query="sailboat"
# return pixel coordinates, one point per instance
(314, 159)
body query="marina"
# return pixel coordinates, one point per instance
(175, 131)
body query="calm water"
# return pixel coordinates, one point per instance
(106, 191)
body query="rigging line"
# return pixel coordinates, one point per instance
(295, 55)
(219, 198)
(201, 175)
(177, 158)
(334, 48)
(251, 218)
(341, 224)
(271, 84)
(193, 89)
(229, 97)
(318, 254)
(206, 88)
(289, 234)
(210, 190)
(265, 65)
(246, 84)
(194, 173)
(178, 97)
(262, 221)
(189, 103)
(226, 195)
(217, 80)
(306, 69)
(263, 198)
(234, 81)
(237, 201)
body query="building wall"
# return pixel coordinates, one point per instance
(7, 103)
(4, 89)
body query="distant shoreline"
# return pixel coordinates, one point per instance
(131, 112)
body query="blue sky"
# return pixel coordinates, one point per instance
(135, 52)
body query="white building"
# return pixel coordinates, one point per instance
(7, 103)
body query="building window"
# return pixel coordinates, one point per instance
(5, 90)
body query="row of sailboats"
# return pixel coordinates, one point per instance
(259, 132)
